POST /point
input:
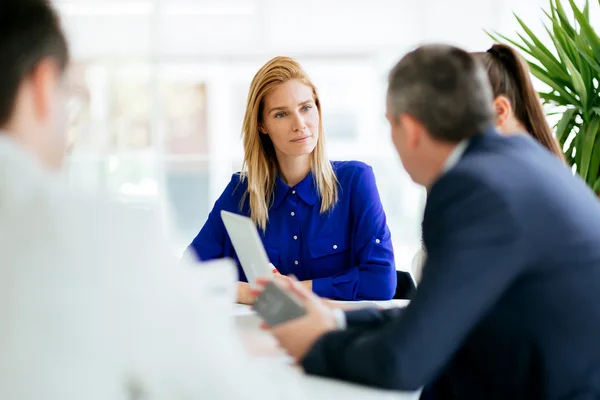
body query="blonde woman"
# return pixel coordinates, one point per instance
(319, 220)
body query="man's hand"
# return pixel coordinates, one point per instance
(299, 335)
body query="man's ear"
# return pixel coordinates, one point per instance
(44, 81)
(503, 109)
(413, 130)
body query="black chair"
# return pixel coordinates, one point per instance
(405, 288)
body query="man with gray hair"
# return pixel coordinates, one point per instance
(509, 302)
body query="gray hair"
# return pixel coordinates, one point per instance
(444, 88)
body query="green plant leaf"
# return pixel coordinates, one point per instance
(555, 37)
(588, 132)
(570, 144)
(596, 186)
(560, 30)
(562, 130)
(586, 10)
(554, 68)
(492, 36)
(512, 42)
(579, 146)
(590, 61)
(584, 65)
(561, 77)
(563, 50)
(583, 76)
(552, 98)
(594, 168)
(586, 29)
(562, 18)
(542, 75)
(576, 78)
(568, 152)
(540, 51)
(570, 67)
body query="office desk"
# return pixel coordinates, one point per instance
(265, 353)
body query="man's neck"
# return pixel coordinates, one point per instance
(38, 149)
(455, 155)
(447, 155)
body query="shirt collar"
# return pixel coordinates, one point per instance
(21, 173)
(13, 151)
(455, 155)
(306, 189)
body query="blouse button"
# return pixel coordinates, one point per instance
(296, 262)
(295, 237)
(292, 213)
(335, 246)
(377, 241)
(293, 192)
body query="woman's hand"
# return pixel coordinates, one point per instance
(245, 295)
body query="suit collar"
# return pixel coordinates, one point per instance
(462, 147)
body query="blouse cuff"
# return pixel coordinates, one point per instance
(323, 287)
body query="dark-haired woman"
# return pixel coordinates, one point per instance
(518, 107)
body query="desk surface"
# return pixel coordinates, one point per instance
(265, 353)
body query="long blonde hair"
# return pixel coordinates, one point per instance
(260, 166)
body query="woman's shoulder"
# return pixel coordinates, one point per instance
(236, 188)
(239, 178)
(346, 171)
(350, 167)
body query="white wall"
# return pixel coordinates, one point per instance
(205, 28)
(346, 45)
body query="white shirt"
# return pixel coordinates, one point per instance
(455, 155)
(94, 305)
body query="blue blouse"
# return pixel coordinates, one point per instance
(347, 252)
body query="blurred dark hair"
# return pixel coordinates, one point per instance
(30, 31)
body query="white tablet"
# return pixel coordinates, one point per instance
(248, 246)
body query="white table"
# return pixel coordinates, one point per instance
(281, 368)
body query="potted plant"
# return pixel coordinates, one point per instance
(570, 67)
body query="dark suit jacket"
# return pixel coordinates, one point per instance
(509, 302)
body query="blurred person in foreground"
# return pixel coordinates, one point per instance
(509, 303)
(93, 304)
